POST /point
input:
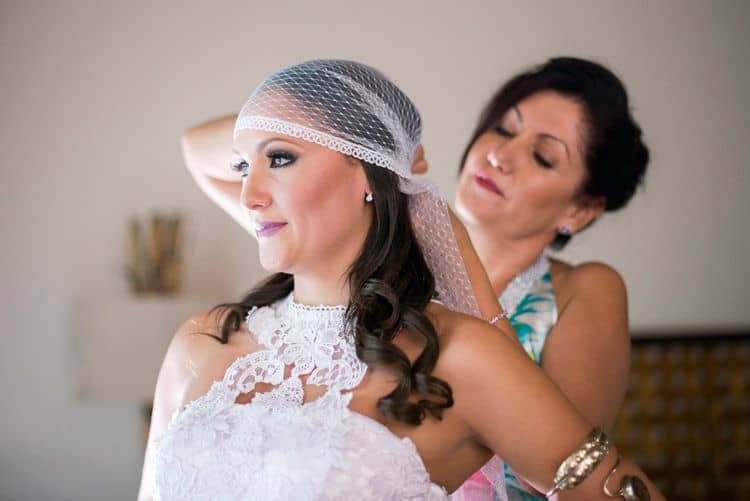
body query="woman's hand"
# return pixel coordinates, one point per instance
(419, 165)
(489, 306)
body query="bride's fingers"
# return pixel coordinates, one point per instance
(419, 165)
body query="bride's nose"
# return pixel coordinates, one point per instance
(255, 195)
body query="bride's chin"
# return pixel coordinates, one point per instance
(272, 263)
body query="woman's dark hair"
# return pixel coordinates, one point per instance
(390, 287)
(390, 283)
(615, 155)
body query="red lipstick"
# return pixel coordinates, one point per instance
(487, 183)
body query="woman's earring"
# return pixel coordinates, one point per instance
(565, 230)
(369, 197)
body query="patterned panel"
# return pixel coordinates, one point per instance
(686, 417)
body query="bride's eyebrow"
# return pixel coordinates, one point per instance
(259, 147)
(289, 141)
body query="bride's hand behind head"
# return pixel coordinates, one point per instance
(419, 165)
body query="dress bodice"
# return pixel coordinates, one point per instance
(279, 445)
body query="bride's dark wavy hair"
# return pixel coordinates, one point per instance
(390, 282)
(390, 287)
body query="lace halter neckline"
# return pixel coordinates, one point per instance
(521, 283)
(300, 316)
(280, 444)
(313, 341)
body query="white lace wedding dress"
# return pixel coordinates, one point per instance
(280, 446)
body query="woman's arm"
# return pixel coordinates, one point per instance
(487, 301)
(207, 150)
(169, 388)
(517, 412)
(591, 336)
(181, 368)
(488, 304)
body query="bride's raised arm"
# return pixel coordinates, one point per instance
(207, 150)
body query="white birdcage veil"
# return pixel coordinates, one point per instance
(353, 109)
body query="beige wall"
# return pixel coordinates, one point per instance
(95, 97)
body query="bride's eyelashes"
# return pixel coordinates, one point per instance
(240, 166)
(277, 159)
(280, 158)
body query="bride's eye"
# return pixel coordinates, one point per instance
(281, 158)
(240, 166)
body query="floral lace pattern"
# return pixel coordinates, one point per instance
(279, 447)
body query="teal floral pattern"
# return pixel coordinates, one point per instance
(532, 320)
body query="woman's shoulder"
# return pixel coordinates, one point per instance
(198, 335)
(591, 277)
(196, 357)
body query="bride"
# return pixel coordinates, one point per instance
(355, 371)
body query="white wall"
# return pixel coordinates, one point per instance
(95, 97)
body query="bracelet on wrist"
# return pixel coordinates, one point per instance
(577, 467)
(498, 317)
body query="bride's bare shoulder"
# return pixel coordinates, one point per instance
(199, 335)
(196, 356)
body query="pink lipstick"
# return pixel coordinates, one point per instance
(487, 183)
(267, 229)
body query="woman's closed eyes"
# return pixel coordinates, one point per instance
(538, 157)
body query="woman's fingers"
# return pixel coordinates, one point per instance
(419, 165)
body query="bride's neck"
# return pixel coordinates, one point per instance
(314, 290)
